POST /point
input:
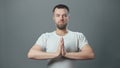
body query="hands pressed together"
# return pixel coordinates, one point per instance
(85, 53)
(61, 51)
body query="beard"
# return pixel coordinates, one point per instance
(61, 26)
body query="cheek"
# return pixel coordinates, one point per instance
(56, 19)
(66, 19)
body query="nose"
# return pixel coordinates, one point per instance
(61, 17)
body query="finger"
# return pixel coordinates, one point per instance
(63, 52)
(62, 39)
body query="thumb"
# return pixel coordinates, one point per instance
(62, 39)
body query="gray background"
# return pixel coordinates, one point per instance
(23, 21)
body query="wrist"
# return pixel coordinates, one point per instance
(65, 54)
(57, 54)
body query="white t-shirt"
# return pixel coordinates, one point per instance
(73, 42)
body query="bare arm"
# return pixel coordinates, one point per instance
(85, 53)
(36, 52)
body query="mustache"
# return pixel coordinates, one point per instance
(62, 20)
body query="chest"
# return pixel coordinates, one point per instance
(70, 44)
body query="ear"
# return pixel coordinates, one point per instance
(68, 17)
(53, 17)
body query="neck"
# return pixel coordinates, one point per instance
(61, 32)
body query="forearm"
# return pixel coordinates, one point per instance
(41, 55)
(79, 55)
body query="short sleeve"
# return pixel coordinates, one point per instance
(42, 41)
(81, 40)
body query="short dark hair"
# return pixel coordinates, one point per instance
(61, 6)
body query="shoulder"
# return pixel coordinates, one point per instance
(77, 33)
(47, 34)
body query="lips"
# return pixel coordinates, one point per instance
(61, 21)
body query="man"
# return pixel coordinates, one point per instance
(62, 46)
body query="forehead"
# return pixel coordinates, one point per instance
(60, 11)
